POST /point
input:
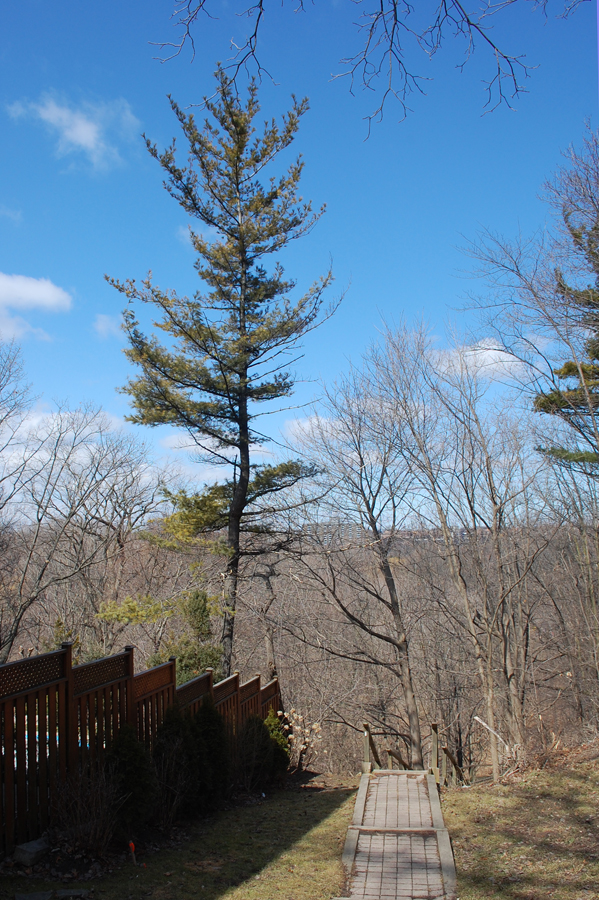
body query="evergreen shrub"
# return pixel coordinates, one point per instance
(191, 757)
(175, 752)
(256, 754)
(215, 767)
(131, 766)
(280, 762)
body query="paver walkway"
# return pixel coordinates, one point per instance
(397, 846)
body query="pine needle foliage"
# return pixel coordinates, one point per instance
(575, 398)
(195, 648)
(228, 348)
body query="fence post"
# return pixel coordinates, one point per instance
(70, 712)
(237, 704)
(444, 769)
(210, 671)
(435, 751)
(130, 705)
(172, 691)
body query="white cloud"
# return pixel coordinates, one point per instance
(486, 357)
(483, 358)
(108, 326)
(20, 293)
(14, 214)
(93, 129)
(176, 441)
(298, 429)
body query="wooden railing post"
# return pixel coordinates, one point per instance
(130, 705)
(444, 768)
(371, 749)
(366, 764)
(71, 757)
(435, 751)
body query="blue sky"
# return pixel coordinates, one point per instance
(80, 196)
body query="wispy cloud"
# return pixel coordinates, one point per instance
(91, 129)
(19, 293)
(108, 326)
(184, 237)
(7, 213)
(488, 359)
(209, 233)
(297, 429)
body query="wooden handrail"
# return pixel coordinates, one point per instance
(371, 745)
(438, 767)
(454, 763)
(395, 754)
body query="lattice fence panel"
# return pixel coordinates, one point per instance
(26, 674)
(96, 674)
(191, 694)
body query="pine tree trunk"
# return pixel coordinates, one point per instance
(236, 509)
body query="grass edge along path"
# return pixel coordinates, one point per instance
(288, 847)
(533, 838)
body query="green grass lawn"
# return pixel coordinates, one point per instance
(534, 838)
(287, 847)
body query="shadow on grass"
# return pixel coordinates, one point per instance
(531, 840)
(282, 847)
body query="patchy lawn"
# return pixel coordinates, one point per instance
(536, 837)
(288, 847)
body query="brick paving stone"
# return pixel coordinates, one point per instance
(397, 855)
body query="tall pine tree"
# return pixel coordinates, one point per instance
(575, 396)
(227, 349)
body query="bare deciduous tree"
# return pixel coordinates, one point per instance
(68, 510)
(391, 33)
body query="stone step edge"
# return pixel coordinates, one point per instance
(382, 829)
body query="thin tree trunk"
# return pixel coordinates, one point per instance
(271, 662)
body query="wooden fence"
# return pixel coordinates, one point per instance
(56, 718)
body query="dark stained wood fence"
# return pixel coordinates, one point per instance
(56, 718)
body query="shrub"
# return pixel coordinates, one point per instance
(256, 754)
(280, 743)
(175, 752)
(135, 776)
(86, 809)
(192, 761)
(303, 739)
(214, 767)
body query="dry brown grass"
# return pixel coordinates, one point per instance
(536, 837)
